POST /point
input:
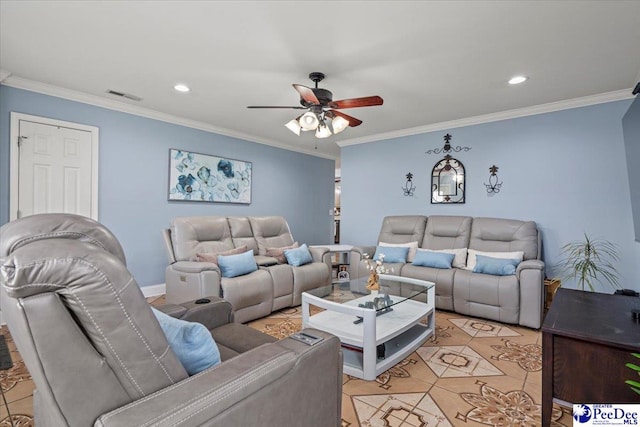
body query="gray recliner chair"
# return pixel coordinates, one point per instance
(98, 356)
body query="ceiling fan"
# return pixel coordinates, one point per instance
(322, 110)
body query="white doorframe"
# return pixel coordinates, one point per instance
(14, 159)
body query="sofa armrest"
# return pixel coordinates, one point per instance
(258, 387)
(530, 264)
(318, 253)
(322, 254)
(357, 255)
(530, 274)
(194, 267)
(215, 313)
(166, 237)
(360, 251)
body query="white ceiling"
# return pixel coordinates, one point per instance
(431, 61)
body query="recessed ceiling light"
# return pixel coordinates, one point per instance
(518, 79)
(182, 88)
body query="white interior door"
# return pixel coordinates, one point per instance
(54, 167)
(54, 170)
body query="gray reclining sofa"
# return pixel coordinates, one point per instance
(517, 298)
(272, 287)
(98, 356)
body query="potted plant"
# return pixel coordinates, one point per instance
(590, 261)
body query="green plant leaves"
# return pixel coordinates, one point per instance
(590, 261)
(635, 385)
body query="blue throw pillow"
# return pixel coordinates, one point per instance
(298, 256)
(495, 266)
(433, 259)
(392, 253)
(237, 265)
(190, 341)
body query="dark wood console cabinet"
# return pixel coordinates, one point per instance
(587, 338)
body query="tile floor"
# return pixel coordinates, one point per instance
(472, 373)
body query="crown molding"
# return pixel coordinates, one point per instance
(21, 83)
(85, 98)
(494, 117)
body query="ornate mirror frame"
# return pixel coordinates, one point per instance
(448, 181)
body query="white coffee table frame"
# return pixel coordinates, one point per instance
(400, 330)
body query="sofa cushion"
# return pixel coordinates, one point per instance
(402, 229)
(190, 341)
(442, 277)
(278, 253)
(447, 232)
(191, 235)
(413, 247)
(270, 232)
(460, 256)
(505, 235)
(298, 256)
(213, 256)
(392, 253)
(471, 259)
(427, 258)
(242, 233)
(491, 297)
(495, 266)
(237, 265)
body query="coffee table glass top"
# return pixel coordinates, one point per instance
(393, 290)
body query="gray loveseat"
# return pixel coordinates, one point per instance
(517, 298)
(272, 287)
(98, 356)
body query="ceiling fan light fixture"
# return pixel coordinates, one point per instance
(294, 126)
(323, 132)
(309, 121)
(320, 109)
(339, 124)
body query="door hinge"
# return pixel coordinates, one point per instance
(21, 140)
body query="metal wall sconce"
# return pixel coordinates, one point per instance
(447, 147)
(409, 188)
(493, 186)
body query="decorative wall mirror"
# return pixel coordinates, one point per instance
(447, 181)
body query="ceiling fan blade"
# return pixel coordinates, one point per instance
(275, 106)
(353, 122)
(367, 101)
(306, 93)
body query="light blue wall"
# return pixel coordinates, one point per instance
(631, 129)
(565, 170)
(134, 174)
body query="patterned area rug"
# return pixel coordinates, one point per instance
(471, 373)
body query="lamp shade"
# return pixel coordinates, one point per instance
(323, 132)
(339, 124)
(309, 121)
(294, 126)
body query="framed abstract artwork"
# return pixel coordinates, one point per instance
(200, 177)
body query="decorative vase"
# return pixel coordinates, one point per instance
(373, 283)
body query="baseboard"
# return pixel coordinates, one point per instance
(154, 290)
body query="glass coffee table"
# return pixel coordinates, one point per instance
(377, 331)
